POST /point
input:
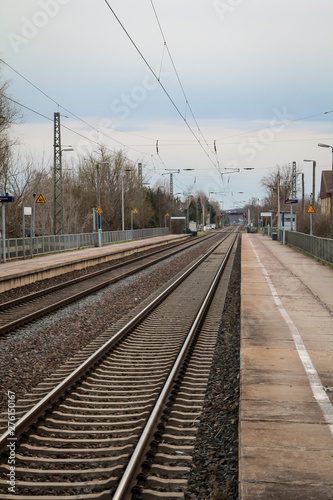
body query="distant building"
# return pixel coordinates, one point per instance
(326, 191)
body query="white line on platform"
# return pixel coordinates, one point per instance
(314, 379)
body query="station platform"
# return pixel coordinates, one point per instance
(286, 402)
(14, 273)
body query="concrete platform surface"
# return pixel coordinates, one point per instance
(20, 272)
(286, 408)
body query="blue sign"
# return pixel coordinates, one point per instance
(7, 199)
(288, 201)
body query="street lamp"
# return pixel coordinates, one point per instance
(328, 146)
(99, 211)
(122, 175)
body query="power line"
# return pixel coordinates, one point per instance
(67, 110)
(287, 122)
(159, 81)
(177, 75)
(62, 125)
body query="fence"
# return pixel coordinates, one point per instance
(28, 247)
(322, 248)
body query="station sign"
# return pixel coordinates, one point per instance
(288, 201)
(7, 199)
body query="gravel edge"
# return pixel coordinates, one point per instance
(214, 474)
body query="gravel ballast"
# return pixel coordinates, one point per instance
(30, 355)
(33, 353)
(214, 475)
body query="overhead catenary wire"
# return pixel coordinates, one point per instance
(153, 171)
(92, 126)
(178, 78)
(286, 122)
(64, 126)
(159, 81)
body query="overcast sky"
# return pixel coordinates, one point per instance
(253, 77)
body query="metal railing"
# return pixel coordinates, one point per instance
(322, 248)
(20, 248)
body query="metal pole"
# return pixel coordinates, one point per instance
(94, 219)
(331, 232)
(30, 236)
(99, 216)
(33, 222)
(311, 215)
(278, 193)
(303, 194)
(3, 227)
(58, 215)
(23, 225)
(313, 191)
(122, 203)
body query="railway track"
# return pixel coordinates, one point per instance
(28, 308)
(124, 417)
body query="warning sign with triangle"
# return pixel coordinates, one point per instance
(310, 210)
(135, 211)
(40, 199)
(99, 210)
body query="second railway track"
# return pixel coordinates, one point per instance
(97, 418)
(22, 310)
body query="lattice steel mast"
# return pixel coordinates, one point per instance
(58, 215)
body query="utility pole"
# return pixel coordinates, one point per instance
(314, 193)
(141, 193)
(171, 172)
(2, 192)
(171, 180)
(58, 215)
(293, 193)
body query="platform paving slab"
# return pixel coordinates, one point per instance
(286, 443)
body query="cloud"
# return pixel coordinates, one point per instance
(239, 61)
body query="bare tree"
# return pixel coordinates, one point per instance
(8, 114)
(25, 179)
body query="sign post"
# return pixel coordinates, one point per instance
(133, 212)
(311, 211)
(290, 202)
(99, 223)
(26, 211)
(4, 198)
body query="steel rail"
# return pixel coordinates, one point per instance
(34, 413)
(74, 297)
(123, 491)
(34, 295)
